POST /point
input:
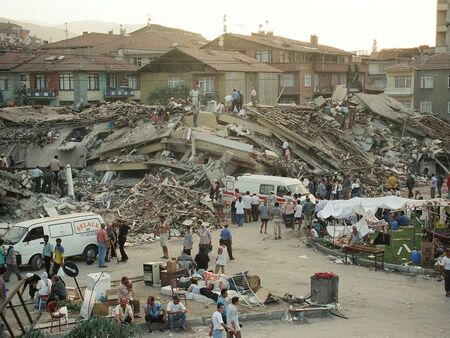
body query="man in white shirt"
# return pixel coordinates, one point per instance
(217, 325)
(176, 311)
(255, 207)
(123, 312)
(247, 199)
(194, 96)
(445, 269)
(233, 318)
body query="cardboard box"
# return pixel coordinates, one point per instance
(100, 309)
(171, 266)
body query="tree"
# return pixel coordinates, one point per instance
(21, 94)
(163, 94)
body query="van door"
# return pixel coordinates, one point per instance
(32, 243)
(229, 190)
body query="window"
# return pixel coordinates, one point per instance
(60, 230)
(426, 107)
(41, 82)
(427, 81)
(66, 82)
(206, 85)
(287, 80)
(137, 61)
(3, 82)
(33, 234)
(293, 56)
(282, 191)
(316, 80)
(93, 83)
(23, 77)
(264, 55)
(266, 189)
(282, 56)
(334, 80)
(174, 82)
(402, 81)
(133, 82)
(308, 80)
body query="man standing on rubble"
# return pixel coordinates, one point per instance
(235, 101)
(55, 166)
(194, 97)
(49, 178)
(163, 231)
(439, 184)
(253, 97)
(123, 233)
(62, 182)
(247, 200)
(433, 186)
(36, 176)
(410, 183)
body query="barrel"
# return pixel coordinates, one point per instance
(324, 288)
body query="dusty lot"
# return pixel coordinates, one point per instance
(377, 303)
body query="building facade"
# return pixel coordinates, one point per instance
(217, 73)
(309, 69)
(443, 26)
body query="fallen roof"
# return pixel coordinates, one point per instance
(285, 43)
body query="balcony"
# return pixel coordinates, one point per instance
(42, 93)
(119, 92)
(330, 67)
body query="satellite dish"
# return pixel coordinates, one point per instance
(221, 43)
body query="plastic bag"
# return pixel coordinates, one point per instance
(61, 272)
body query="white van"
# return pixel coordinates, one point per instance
(262, 185)
(78, 233)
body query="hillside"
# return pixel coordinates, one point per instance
(51, 34)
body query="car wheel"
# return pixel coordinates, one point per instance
(36, 262)
(90, 253)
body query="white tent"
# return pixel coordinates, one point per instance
(345, 208)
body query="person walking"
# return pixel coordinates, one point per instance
(58, 256)
(264, 212)
(445, 269)
(112, 243)
(298, 211)
(205, 237)
(163, 231)
(308, 211)
(123, 233)
(47, 254)
(276, 214)
(102, 242)
(255, 207)
(226, 238)
(218, 326)
(221, 259)
(240, 209)
(188, 240)
(433, 186)
(410, 183)
(232, 316)
(11, 264)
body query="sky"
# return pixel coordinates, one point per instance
(348, 24)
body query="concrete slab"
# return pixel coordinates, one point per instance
(232, 119)
(204, 119)
(339, 94)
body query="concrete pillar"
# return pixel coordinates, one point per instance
(70, 188)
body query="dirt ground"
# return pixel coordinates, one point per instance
(377, 303)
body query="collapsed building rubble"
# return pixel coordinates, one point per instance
(367, 134)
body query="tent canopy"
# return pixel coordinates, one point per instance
(345, 208)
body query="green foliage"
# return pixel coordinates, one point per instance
(163, 94)
(36, 334)
(21, 94)
(102, 327)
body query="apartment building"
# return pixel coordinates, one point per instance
(309, 68)
(443, 26)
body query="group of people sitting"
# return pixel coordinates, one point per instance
(48, 290)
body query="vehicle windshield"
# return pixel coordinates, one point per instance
(295, 189)
(14, 234)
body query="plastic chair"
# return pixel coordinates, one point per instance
(42, 301)
(177, 291)
(53, 310)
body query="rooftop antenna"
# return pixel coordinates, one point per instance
(67, 34)
(224, 23)
(149, 19)
(267, 26)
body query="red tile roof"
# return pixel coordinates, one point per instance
(401, 67)
(436, 62)
(280, 42)
(65, 62)
(10, 60)
(222, 61)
